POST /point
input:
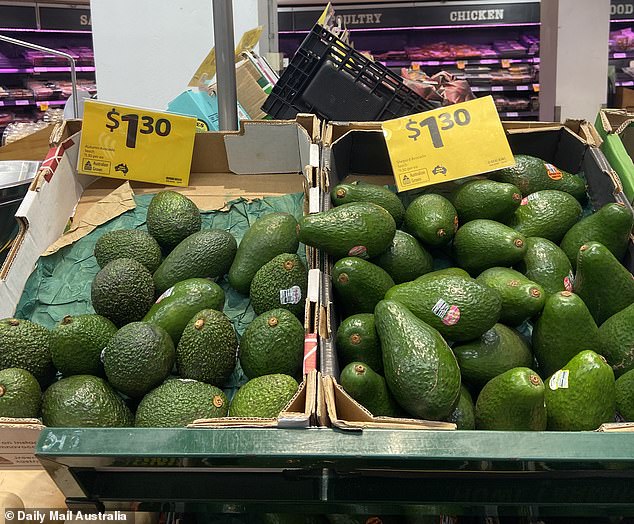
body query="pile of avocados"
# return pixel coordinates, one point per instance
(158, 349)
(495, 306)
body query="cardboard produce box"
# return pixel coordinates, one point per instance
(264, 158)
(357, 151)
(617, 134)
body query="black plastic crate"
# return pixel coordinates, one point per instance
(328, 78)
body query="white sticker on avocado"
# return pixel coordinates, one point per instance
(165, 294)
(559, 380)
(569, 282)
(291, 296)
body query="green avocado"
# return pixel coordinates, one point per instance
(463, 415)
(128, 243)
(360, 192)
(368, 389)
(459, 308)
(481, 244)
(176, 306)
(531, 174)
(521, 298)
(406, 259)
(20, 394)
(123, 291)
(272, 344)
(564, 328)
(582, 395)
(546, 214)
(512, 401)
(432, 219)
(208, 348)
(359, 229)
(280, 283)
(178, 402)
(625, 396)
(547, 265)
(84, 401)
(616, 340)
(270, 235)
(171, 218)
(26, 345)
(208, 253)
(359, 284)
(495, 352)
(611, 226)
(485, 199)
(263, 397)
(420, 370)
(358, 341)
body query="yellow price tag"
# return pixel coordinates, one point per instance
(136, 144)
(446, 144)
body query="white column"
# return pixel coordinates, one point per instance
(574, 58)
(146, 51)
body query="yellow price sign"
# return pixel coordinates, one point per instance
(136, 144)
(445, 144)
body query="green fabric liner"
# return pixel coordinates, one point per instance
(60, 283)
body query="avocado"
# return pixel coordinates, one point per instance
(546, 214)
(176, 306)
(368, 389)
(564, 328)
(77, 343)
(485, 199)
(208, 348)
(611, 226)
(84, 401)
(547, 265)
(432, 219)
(280, 283)
(625, 396)
(360, 192)
(208, 253)
(406, 259)
(26, 345)
(359, 229)
(128, 243)
(602, 282)
(481, 244)
(270, 235)
(495, 352)
(263, 397)
(512, 401)
(171, 218)
(448, 271)
(531, 174)
(178, 402)
(358, 341)
(616, 340)
(272, 344)
(20, 394)
(420, 370)
(359, 284)
(123, 291)
(138, 358)
(521, 298)
(463, 415)
(582, 395)
(459, 308)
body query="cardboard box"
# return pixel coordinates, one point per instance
(615, 128)
(357, 151)
(264, 158)
(624, 98)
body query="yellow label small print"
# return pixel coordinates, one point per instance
(446, 144)
(136, 144)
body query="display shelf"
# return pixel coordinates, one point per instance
(519, 114)
(327, 470)
(48, 69)
(625, 83)
(461, 62)
(534, 87)
(17, 103)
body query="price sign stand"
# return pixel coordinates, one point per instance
(446, 144)
(136, 144)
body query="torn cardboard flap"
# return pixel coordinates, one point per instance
(109, 207)
(622, 427)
